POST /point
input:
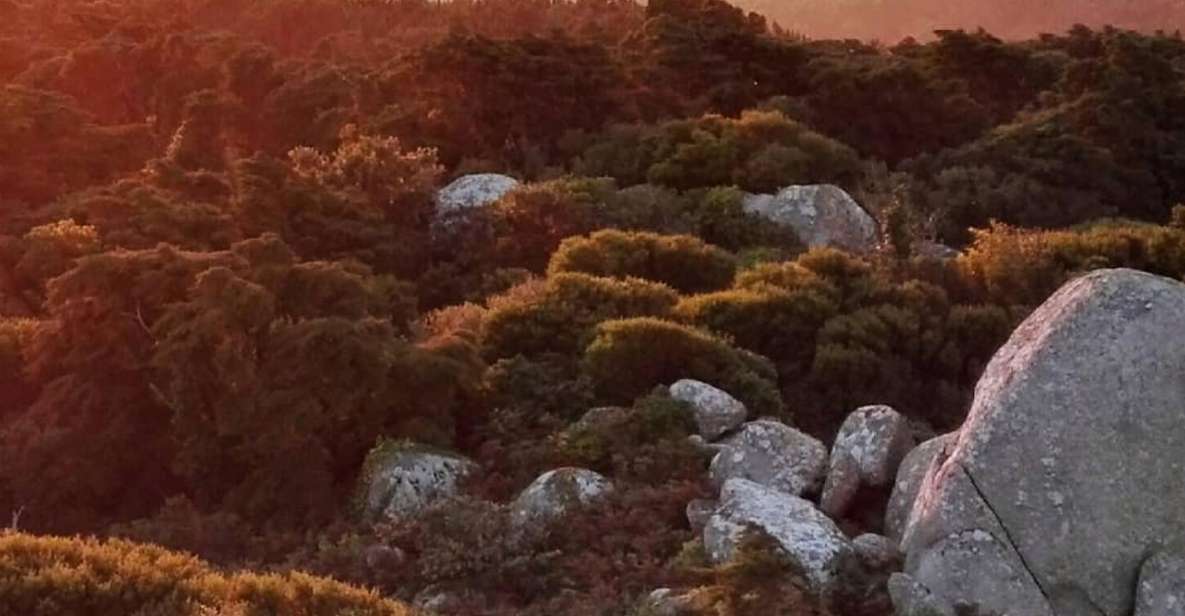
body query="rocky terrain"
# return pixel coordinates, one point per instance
(588, 307)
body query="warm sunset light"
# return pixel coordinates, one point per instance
(592, 308)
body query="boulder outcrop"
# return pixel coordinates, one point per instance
(1068, 471)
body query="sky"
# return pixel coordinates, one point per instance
(892, 20)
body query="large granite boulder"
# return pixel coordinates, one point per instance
(402, 479)
(473, 191)
(1068, 472)
(556, 493)
(867, 451)
(820, 214)
(909, 480)
(716, 412)
(772, 454)
(807, 537)
(1162, 584)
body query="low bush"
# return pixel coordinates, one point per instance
(686, 263)
(630, 356)
(50, 576)
(559, 318)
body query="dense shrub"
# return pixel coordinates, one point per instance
(761, 151)
(51, 576)
(778, 324)
(685, 263)
(646, 443)
(1011, 266)
(570, 304)
(628, 357)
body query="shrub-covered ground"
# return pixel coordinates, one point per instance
(223, 278)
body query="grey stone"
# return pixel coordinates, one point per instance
(403, 479)
(1161, 591)
(702, 446)
(772, 454)
(1070, 458)
(809, 539)
(716, 412)
(868, 449)
(912, 599)
(820, 214)
(877, 552)
(473, 191)
(556, 493)
(699, 511)
(972, 569)
(665, 602)
(841, 486)
(909, 480)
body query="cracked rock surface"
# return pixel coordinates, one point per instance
(772, 454)
(1067, 472)
(909, 481)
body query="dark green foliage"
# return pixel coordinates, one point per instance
(685, 263)
(560, 318)
(762, 151)
(215, 254)
(775, 323)
(628, 357)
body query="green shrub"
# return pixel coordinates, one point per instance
(761, 151)
(628, 357)
(50, 576)
(778, 324)
(531, 221)
(719, 218)
(1011, 266)
(685, 263)
(560, 317)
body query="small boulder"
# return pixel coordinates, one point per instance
(820, 214)
(862, 587)
(909, 480)
(699, 511)
(402, 479)
(473, 191)
(703, 446)
(807, 537)
(665, 602)
(771, 454)
(1161, 591)
(878, 553)
(716, 412)
(558, 492)
(842, 485)
(912, 599)
(868, 449)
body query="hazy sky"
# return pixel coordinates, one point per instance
(891, 20)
